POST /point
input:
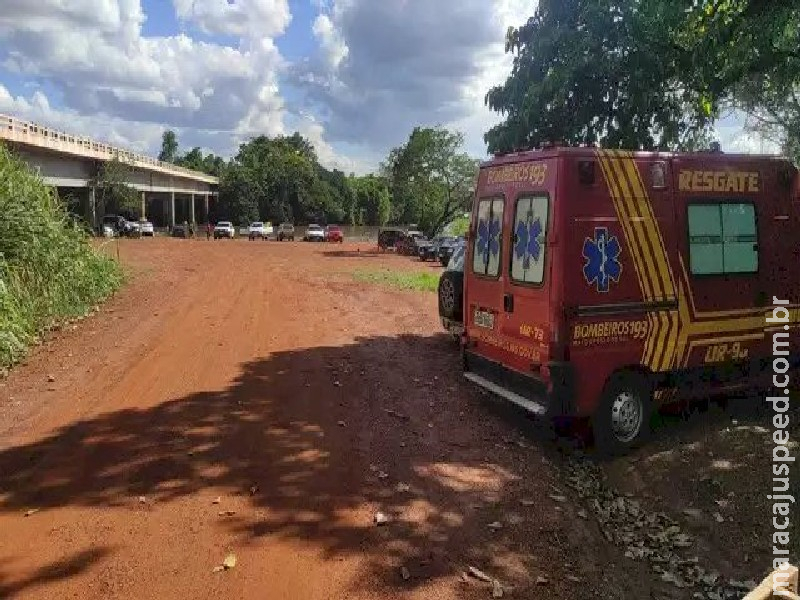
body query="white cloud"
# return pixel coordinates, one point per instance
(387, 66)
(266, 18)
(308, 126)
(330, 40)
(133, 135)
(94, 54)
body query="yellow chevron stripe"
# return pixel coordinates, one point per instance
(631, 224)
(657, 263)
(652, 228)
(649, 344)
(651, 273)
(684, 320)
(626, 227)
(665, 346)
(672, 342)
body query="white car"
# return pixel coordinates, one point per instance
(256, 231)
(314, 233)
(146, 228)
(132, 228)
(224, 229)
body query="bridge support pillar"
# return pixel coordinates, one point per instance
(172, 209)
(191, 211)
(93, 207)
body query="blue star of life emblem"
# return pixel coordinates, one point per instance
(529, 242)
(602, 264)
(488, 238)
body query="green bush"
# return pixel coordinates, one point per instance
(49, 272)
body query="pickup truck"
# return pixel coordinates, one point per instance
(257, 231)
(224, 229)
(285, 232)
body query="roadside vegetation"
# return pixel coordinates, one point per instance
(426, 282)
(48, 270)
(426, 181)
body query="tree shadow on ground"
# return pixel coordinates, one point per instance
(323, 438)
(62, 569)
(372, 253)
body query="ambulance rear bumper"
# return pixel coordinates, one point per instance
(549, 393)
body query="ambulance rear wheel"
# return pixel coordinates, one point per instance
(622, 420)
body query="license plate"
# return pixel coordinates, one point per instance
(483, 318)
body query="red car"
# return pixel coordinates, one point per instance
(333, 233)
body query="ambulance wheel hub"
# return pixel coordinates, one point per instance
(626, 416)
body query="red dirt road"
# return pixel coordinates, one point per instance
(265, 376)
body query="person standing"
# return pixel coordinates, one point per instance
(208, 230)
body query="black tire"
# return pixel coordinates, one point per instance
(451, 295)
(622, 420)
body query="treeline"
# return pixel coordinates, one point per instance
(427, 181)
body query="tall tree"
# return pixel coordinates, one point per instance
(432, 179)
(643, 73)
(169, 146)
(116, 194)
(598, 71)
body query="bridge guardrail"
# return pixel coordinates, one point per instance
(17, 130)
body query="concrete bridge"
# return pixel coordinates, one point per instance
(70, 163)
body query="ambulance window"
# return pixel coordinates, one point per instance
(529, 233)
(722, 239)
(488, 238)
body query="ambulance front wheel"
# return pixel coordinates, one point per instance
(622, 420)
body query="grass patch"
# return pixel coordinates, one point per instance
(427, 282)
(49, 272)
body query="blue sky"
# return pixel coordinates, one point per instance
(354, 76)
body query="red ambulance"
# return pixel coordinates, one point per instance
(599, 284)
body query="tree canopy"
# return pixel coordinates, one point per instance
(431, 179)
(111, 181)
(646, 74)
(169, 146)
(428, 180)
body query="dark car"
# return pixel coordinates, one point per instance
(432, 252)
(408, 245)
(447, 248)
(181, 230)
(389, 238)
(422, 247)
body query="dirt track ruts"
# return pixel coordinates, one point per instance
(262, 374)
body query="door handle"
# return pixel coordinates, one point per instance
(508, 303)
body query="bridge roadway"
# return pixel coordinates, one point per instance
(70, 163)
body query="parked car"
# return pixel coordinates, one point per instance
(180, 230)
(407, 245)
(132, 229)
(256, 231)
(432, 251)
(314, 233)
(451, 294)
(224, 229)
(146, 228)
(333, 233)
(422, 246)
(389, 238)
(285, 232)
(117, 223)
(447, 248)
